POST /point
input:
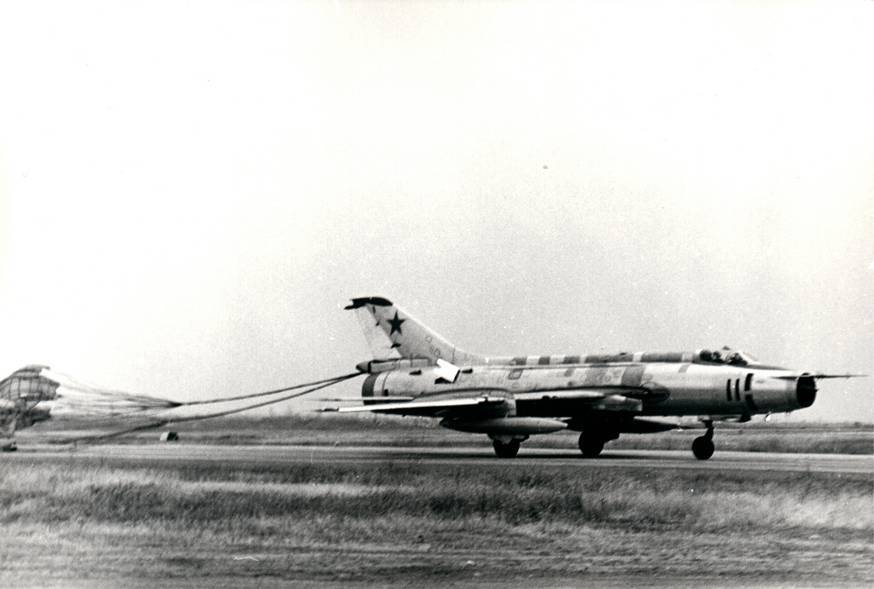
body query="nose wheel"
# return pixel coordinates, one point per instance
(702, 446)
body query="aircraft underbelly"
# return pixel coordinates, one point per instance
(551, 408)
(686, 407)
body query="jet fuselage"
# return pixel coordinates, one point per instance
(654, 389)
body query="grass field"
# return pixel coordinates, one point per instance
(76, 520)
(850, 438)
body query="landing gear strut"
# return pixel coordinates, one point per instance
(702, 446)
(508, 448)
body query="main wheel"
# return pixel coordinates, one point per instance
(702, 448)
(591, 445)
(506, 450)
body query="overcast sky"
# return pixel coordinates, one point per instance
(189, 192)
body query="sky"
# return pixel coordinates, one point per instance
(190, 192)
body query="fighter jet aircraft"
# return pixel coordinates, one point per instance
(20, 393)
(417, 372)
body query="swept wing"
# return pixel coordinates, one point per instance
(426, 407)
(619, 398)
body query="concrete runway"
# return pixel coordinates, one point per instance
(480, 456)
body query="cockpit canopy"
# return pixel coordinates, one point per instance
(725, 355)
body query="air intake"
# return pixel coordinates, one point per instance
(805, 391)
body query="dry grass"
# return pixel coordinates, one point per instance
(82, 518)
(207, 497)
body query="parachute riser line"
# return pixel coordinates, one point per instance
(335, 379)
(313, 387)
(322, 385)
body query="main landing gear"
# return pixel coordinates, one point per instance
(506, 450)
(591, 445)
(592, 441)
(702, 446)
(507, 447)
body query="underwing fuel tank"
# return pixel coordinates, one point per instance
(506, 425)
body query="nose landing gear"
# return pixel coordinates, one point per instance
(702, 446)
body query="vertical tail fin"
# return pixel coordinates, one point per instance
(391, 333)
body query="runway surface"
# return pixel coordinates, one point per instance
(483, 456)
